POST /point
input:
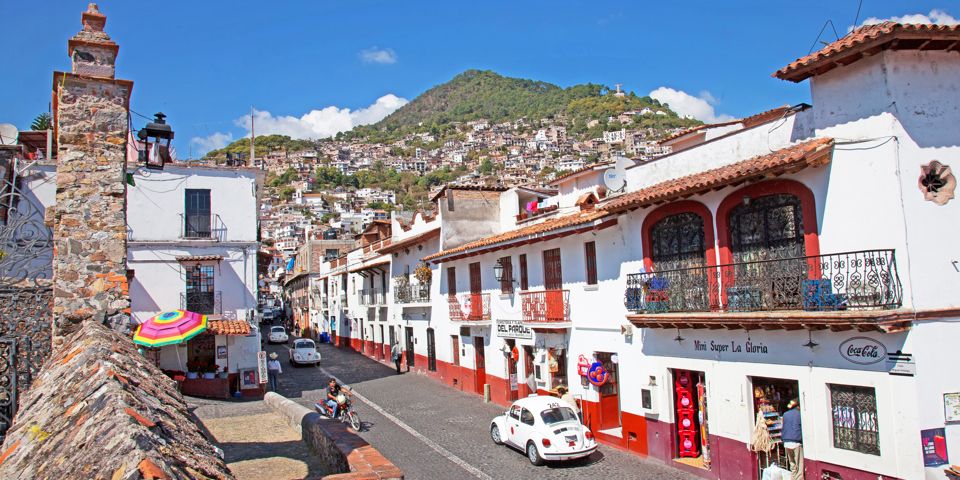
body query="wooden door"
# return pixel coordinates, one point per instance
(481, 364)
(609, 394)
(552, 276)
(363, 344)
(456, 350)
(476, 302)
(451, 281)
(410, 355)
(431, 351)
(384, 348)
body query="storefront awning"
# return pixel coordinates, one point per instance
(887, 321)
(198, 258)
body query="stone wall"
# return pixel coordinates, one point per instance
(91, 119)
(341, 449)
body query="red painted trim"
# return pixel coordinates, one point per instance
(808, 202)
(685, 206)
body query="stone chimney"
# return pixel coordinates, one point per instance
(90, 121)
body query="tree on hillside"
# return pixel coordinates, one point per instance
(486, 167)
(286, 193)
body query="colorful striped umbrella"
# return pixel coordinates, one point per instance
(169, 327)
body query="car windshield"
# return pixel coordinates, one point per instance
(276, 330)
(558, 414)
(303, 345)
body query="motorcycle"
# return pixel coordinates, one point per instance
(345, 411)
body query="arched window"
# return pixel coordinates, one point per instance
(677, 241)
(766, 228)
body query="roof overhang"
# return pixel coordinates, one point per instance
(788, 160)
(409, 242)
(198, 258)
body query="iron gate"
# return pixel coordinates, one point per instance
(26, 288)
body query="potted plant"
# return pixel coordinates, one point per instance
(224, 373)
(193, 368)
(402, 280)
(423, 274)
(210, 370)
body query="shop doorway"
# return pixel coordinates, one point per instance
(481, 364)
(393, 336)
(363, 343)
(431, 351)
(690, 418)
(609, 394)
(530, 378)
(512, 369)
(770, 398)
(384, 348)
(410, 355)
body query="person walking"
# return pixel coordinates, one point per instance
(793, 439)
(395, 353)
(567, 397)
(274, 371)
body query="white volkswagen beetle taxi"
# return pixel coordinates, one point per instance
(278, 335)
(545, 428)
(304, 351)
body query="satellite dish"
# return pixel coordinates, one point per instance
(8, 134)
(614, 178)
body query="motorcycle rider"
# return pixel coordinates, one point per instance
(333, 391)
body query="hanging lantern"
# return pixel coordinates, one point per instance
(156, 137)
(498, 270)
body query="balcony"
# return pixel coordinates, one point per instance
(546, 306)
(419, 293)
(853, 281)
(201, 227)
(475, 307)
(204, 303)
(371, 297)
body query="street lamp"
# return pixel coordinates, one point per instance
(159, 134)
(498, 270)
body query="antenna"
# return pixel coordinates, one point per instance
(8, 134)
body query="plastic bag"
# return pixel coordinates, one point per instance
(774, 472)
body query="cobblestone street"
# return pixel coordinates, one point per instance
(431, 431)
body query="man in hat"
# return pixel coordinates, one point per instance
(793, 439)
(273, 371)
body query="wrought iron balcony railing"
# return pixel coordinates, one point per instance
(546, 306)
(205, 226)
(204, 303)
(371, 297)
(474, 307)
(419, 293)
(842, 281)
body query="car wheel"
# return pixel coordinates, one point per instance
(495, 434)
(533, 455)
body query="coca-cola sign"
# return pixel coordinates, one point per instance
(863, 350)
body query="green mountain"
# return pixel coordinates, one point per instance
(477, 94)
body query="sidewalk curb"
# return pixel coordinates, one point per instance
(343, 450)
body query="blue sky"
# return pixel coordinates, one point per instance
(311, 68)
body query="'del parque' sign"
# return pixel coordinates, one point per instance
(513, 329)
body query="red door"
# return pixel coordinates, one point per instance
(609, 391)
(481, 364)
(476, 303)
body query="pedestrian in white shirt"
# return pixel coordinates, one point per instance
(273, 371)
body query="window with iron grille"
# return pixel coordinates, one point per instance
(523, 272)
(590, 249)
(506, 284)
(855, 423)
(200, 297)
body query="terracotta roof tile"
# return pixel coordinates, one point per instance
(228, 327)
(801, 155)
(369, 266)
(542, 227)
(747, 122)
(869, 40)
(696, 129)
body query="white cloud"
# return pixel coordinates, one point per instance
(683, 103)
(321, 123)
(373, 55)
(213, 142)
(936, 16)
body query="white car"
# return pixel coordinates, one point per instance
(545, 428)
(278, 335)
(304, 351)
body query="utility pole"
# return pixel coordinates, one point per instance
(252, 136)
